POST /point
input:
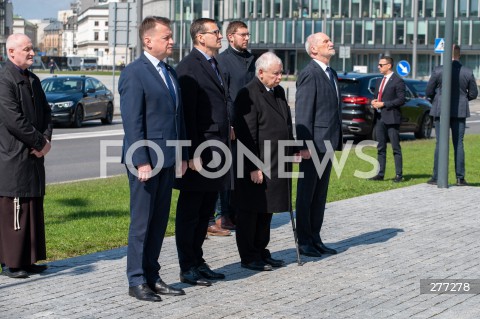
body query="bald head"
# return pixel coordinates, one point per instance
(20, 50)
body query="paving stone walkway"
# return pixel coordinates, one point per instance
(387, 242)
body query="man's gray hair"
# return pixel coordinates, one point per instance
(265, 61)
(311, 41)
(14, 39)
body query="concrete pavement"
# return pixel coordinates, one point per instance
(387, 242)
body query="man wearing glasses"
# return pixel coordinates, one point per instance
(238, 67)
(204, 94)
(389, 96)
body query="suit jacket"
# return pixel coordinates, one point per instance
(262, 116)
(149, 113)
(464, 89)
(206, 118)
(318, 116)
(393, 97)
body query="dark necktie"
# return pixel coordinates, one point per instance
(213, 63)
(330, 75)
(169, 82)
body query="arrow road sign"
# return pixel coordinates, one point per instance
(403, 68)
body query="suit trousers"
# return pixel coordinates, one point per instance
(385, 132)
(253, 235)
(311, 200)
(149, 211)
(194, 210)
(457, 125)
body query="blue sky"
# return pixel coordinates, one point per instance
(39, 9)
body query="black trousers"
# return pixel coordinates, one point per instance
(311, 200)
(149, 212)
(194, 210)
(253, 235)
(385, 132)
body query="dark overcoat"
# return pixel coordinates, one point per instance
(260, 117)
(206, 119)
(25, 124)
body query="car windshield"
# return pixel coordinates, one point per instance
(62, 86)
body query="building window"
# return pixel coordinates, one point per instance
(106, 36)
(95, 23)
(389, 32)
(465, 33)
(106, 23)
(95, 36)
(347, 32)
(476, 33)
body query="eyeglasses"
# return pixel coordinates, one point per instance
(243, 35)
(214, 32)
(382, 65)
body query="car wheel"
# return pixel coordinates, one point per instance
(78, 117)
(425, 130)
(108, 119)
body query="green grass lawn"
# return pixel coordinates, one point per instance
(91, 216)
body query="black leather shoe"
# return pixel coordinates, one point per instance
(258, 265)
(161, 288)
(310, 251)
(462, 182)
(376, 178)
(193, 277)
(398, 179)
(324, 249)
(206, 272)
(14, 272)
(432, 181)
(36, 269)
(144, 293)
(274, 262)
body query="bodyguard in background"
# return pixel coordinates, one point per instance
(151, 106)
(262, 115)
(464, 89)
(318, 118)
(206, 119)
(388, 98)
(25, 135)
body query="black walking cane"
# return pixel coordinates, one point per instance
(292, 219)
(299, 262)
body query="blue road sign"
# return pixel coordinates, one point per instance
(403, 68)
(439, 45)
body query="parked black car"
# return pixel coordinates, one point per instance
(358, 116)
(75, 99)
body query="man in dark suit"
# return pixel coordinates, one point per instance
(206, 120)
(317, 119)
(262, 116)
(464, 89)
(388, 98)
(152, 115)
(238, 66)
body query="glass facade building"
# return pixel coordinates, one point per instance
(369, 27)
